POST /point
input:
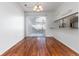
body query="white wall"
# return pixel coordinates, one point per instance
(67, 36)
(11, 25)
(78, 15)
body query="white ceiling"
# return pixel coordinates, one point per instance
(47, 6)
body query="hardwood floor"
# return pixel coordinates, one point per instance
(40, 46)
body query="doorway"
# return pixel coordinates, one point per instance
(35, 25)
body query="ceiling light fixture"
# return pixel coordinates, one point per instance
(38, 8)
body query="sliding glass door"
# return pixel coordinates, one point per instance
(35, 25)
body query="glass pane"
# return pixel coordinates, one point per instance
(35, 26)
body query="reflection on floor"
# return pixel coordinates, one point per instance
(40, 46)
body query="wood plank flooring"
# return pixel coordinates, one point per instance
(40, 46)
